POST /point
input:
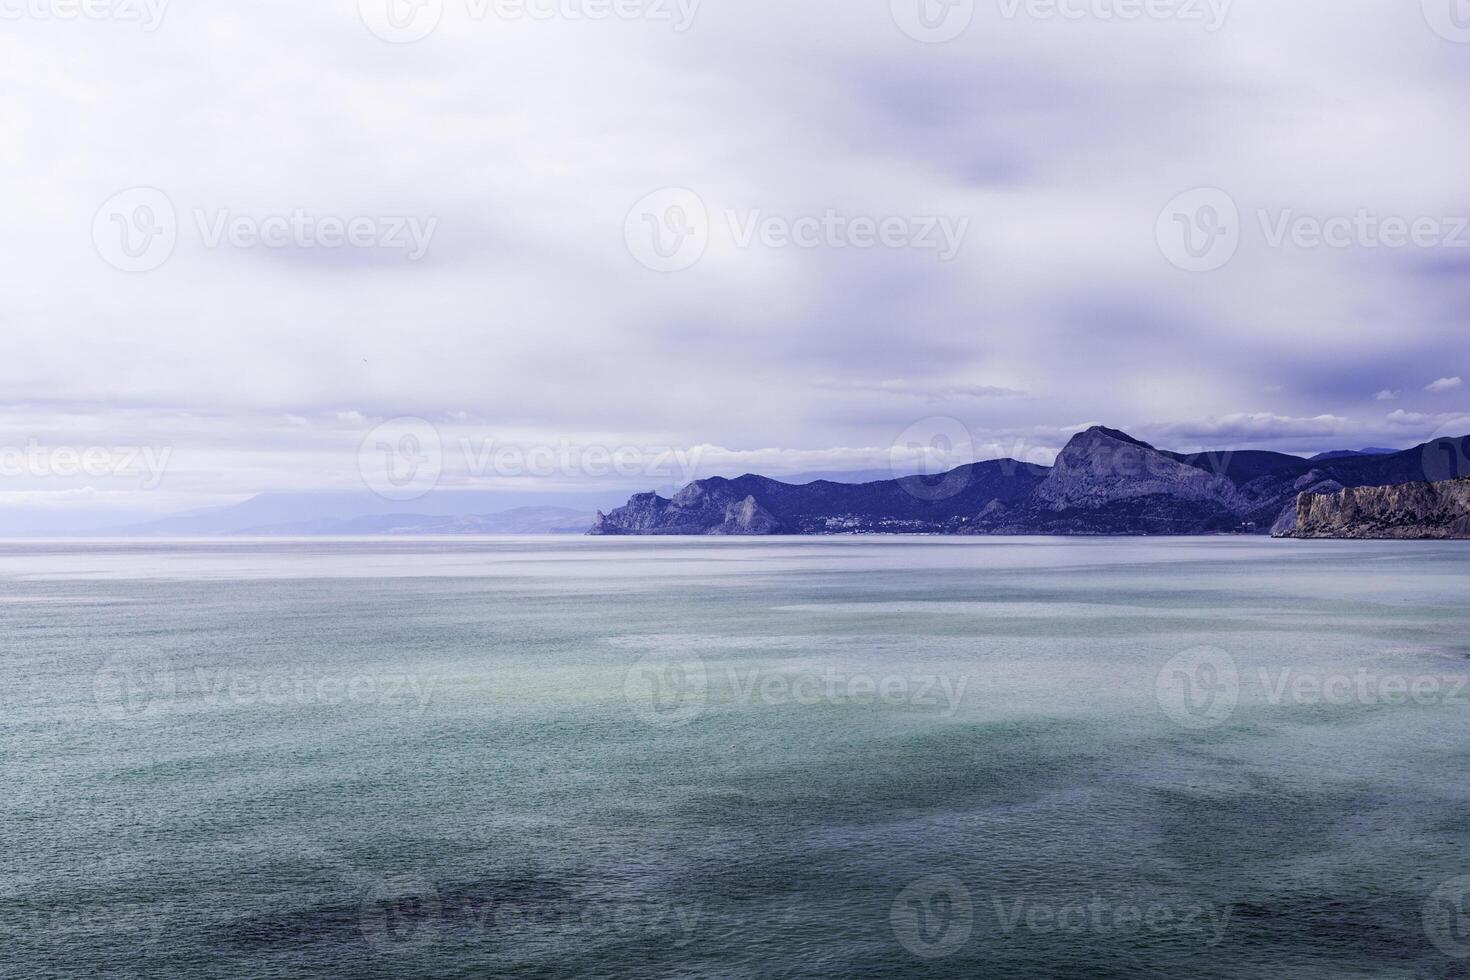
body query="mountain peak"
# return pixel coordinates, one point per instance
(1116, 434)
(1103, 466)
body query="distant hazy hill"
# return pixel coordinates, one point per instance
(1103, 482)
(521, 520)
(1343, 453)
(327, 513)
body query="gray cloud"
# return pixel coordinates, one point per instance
(528, 318)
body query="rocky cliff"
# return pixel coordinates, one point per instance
(1407, 510)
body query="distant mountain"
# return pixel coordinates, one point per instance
(266, 512)
(521, 520)
(755, 504)
(845, 476)
(1103, 482)
(1344, 453)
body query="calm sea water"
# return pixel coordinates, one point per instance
(808, 757)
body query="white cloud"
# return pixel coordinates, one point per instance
(1256, 425)
(1444, 384)
(936, 391)
(1386, 396)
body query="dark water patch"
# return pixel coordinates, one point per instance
(1276, 821)
(1384, 929)
(401, 910)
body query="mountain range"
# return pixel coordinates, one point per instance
(1103, 482)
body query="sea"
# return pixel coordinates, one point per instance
(739, 758)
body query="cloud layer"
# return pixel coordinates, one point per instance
(302, 160)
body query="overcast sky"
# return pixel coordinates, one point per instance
(781, 235)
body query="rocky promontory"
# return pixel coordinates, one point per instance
(1408, 510)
